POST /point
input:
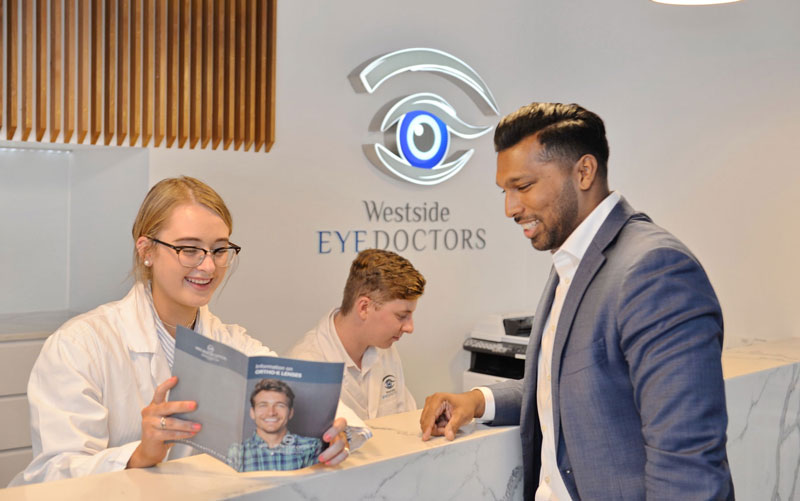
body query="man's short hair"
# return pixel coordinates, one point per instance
(382, 276)
(272, 385)
(565, 131)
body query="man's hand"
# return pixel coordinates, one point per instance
(338, 451)
(445, 413)
(157, 426)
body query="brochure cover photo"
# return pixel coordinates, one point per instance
(258, 413)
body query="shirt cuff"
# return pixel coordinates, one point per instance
(357, 430)
(488, 406)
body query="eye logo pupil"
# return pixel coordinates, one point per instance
(423, 139)
(423, 136)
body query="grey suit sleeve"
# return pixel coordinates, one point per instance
(670, 324)
(507, 401)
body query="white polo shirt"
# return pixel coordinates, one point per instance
(377, 389)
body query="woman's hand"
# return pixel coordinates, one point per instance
(339, 450)
(158, 426)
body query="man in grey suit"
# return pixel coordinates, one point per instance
(623, 396)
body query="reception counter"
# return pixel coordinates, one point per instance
(763, 398)
(482, 463)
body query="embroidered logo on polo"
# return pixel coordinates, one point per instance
(425, 122)
(389, 386)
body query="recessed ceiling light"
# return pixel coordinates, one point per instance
(694, 2)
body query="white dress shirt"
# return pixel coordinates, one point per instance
(565, 261)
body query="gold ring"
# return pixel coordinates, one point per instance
(163, 422)
(347, 450)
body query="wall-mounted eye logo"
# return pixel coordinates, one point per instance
(425, 122)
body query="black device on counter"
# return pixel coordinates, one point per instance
(500, 351)
(496, 358)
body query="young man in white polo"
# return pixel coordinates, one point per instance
(378, 304)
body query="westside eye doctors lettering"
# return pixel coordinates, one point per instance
(435, 234)
(406, 213)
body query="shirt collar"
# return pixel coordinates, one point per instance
(197, 326)
(348, 362)
(287, 440)
(567, 258)
(369, 358)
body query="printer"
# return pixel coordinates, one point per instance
(497, 346)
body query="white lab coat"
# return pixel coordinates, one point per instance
(94, 376)
(377, 389)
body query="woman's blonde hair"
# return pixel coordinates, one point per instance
(158, 205)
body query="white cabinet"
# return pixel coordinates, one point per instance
(66, 217)
(18, 352)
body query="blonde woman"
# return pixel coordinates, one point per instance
(98, 389)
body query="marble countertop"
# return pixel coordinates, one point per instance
(396, 446)
(759, 356)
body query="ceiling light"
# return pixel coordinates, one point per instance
(694, 2)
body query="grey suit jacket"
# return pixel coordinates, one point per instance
(638, 396)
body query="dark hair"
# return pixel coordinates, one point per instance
(565, 131)
(272, 385)
(382, 276)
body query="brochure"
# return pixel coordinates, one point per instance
(257, 413)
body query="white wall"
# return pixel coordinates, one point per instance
(65, 216)
(701, 105)
(702, 108)
(34, 213)
(107, 186)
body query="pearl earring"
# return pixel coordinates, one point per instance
(147, 262)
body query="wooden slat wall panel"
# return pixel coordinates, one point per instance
(96, 47)
(136, 71)
(196, 50)
(12, 64)
(196, 71)
(230, 74)
(148, 71)
(250, 76)
(241, 62)
(261, 76)
(269, 29)
(69, 69)
(161, 38)
(185, 72)
(41, 68)
(56, 61)
(110, 109)
(2, 9)
(83, 69)
(207, 115)
(123, 70)
(27, 68)
(173, 60)
(219, 73)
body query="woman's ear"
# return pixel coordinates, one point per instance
(143, 245)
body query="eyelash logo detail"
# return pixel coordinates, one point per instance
(425, 121)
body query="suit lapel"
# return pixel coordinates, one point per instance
(590, 264)
(534, 344)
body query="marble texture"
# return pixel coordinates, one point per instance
(763, 399)
(483, 463)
